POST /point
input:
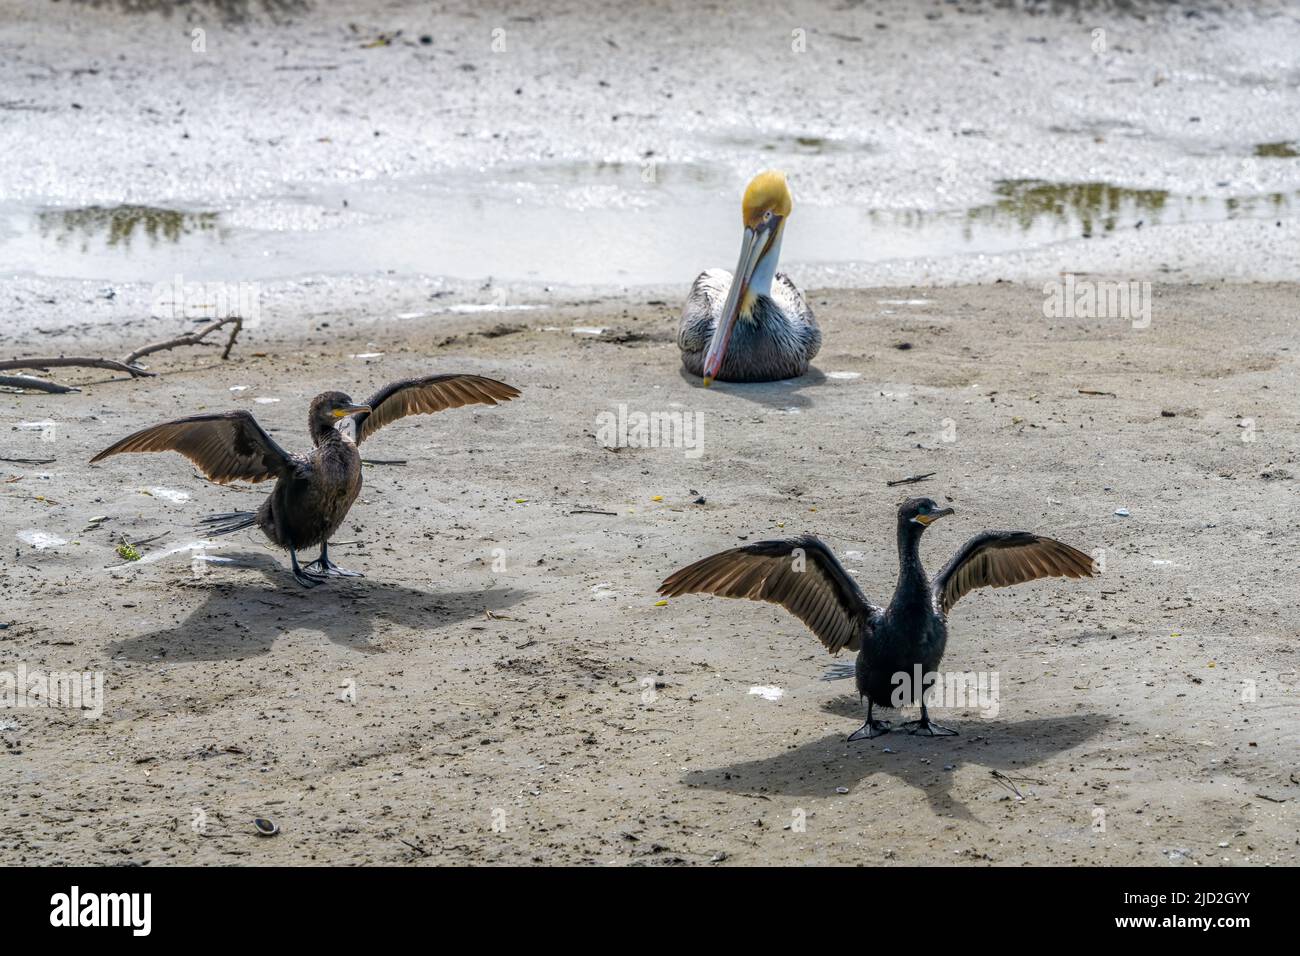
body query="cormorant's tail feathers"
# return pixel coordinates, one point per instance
(228, 522)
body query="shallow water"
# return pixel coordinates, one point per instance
(926, 146)
(597, 224)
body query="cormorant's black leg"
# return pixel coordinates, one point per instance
(928, 727)
(324, 566)
(302, 575)
(872, 728)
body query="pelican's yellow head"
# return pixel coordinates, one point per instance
(767, 195)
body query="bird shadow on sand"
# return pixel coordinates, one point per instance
(818, 767)
(781, 394)
(241, 619)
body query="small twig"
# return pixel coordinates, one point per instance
(29, 461)
(1093, 391)
(1006, 781)
(122, 538)
(911, 479)
(418, 849)
(39, 384)
(593, 511)
(41, 498)
(192, 338)
(383, 461)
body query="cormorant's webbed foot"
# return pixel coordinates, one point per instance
(328, 569)
(304, 576)
(324, 567)
(872, 728)
(928, 728)
(307, 580)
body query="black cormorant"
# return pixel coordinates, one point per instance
(894, 643)
(313, 492)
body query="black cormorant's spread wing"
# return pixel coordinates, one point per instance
(419, 396)
(226, 446)
(800, 574)
(1000, 559)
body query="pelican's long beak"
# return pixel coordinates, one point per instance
(755, 245)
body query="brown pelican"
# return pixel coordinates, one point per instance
(313, 492)
(754, 326)
(900, 646)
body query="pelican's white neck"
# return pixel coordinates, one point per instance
(760, 283)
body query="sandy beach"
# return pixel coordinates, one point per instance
(502, 686)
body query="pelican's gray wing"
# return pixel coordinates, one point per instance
(800, 574)
(1000, 559)
(804, 326)
(787, 295)
(702, 310)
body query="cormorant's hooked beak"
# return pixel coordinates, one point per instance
(350, 409)
(756, 243)
(933, 516)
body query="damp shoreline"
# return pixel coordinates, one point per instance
(385, 144)
(646, 236)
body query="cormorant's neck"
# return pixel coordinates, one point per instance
(913, 585)
(323, 431)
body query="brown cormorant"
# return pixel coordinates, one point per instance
(313, 492)
(753, 326)
(907, 637)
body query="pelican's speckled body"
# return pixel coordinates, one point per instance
(777, 339)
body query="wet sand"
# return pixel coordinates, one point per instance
(503, 686)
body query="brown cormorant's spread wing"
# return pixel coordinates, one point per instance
(226, 446)
(419, 396)
(1000, 559)
(800, 574)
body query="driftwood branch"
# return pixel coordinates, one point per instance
(76, 362)
(38, 384)
(130, 364)
(192, 338)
